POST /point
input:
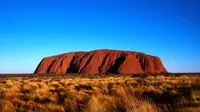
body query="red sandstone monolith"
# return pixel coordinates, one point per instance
(101, 61)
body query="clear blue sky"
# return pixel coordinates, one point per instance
(33, 29)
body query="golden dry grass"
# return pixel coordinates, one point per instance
(151, 93)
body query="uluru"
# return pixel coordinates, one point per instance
(101, 62)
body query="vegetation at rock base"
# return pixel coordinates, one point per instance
(96, 93)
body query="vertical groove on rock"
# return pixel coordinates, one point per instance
(103, 62)
(50, 66)
(89, 59)
(114, 68)
(72, 67)
(49, 70)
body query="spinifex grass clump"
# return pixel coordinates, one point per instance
(149, 93)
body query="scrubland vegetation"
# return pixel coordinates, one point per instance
(129, 93)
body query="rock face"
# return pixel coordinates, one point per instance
(101, 61)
